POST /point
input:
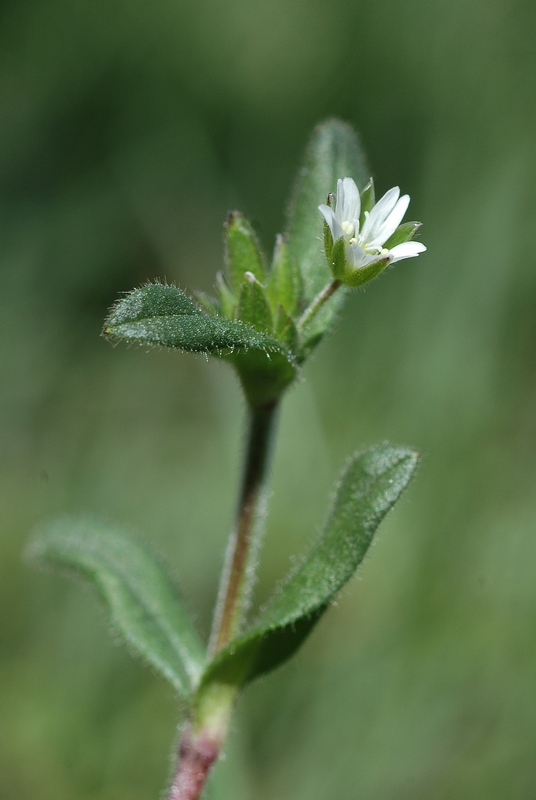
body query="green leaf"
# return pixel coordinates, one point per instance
(369, 487)
(163, 315)
(143, 604)
(285, 283)
(253, 306)
(333, 152)
(242, 250)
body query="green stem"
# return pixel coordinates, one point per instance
(205, 731)
(317, 304)
(238, 574)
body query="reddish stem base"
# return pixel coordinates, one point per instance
(196, 756)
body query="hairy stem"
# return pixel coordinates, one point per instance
(196, 756)
(202, 739)
(238, 573)
(312, 310)
(205, 731)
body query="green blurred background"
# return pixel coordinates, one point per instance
(127, 130)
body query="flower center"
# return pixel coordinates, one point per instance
(348, 227)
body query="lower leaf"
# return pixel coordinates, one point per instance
(370, 485)
(142, 602)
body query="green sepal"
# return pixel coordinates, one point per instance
(242, 250)
(285, 283)
(369, 487)
(253, 306)
(404, 233)
(328, 241)
(337, 260)
(367, 201)
(142, 602)
(228, 301)
(357, 277)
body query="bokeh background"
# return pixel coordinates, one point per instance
(127, 130)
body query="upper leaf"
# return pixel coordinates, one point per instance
(162, 314)
(242, 250)
(369, 487)
(142, 601)
(285, 283)
(253, 306)
(333, 152)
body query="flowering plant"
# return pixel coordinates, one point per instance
(265, 320)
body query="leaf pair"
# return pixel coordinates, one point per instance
(146, 609)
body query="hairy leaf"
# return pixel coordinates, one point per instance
(164, 315)
(285, 283)
(369, 487)
(142, 601)
(253, 306)
(242, 250)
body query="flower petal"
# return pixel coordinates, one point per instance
(348, 205)
(358, 258)
(378, 214)
(407, 250)
(329, 216)
(391, 223)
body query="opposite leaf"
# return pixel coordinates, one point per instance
(164, 315)
(143, 604)
(369, 487)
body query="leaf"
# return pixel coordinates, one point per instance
(253, 306)
(161, 314)
(242, 250)
(142, 601)
(369, 487)
(333, 152)
(285, 283)
(164, 315)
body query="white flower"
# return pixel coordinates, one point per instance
(365, 244)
